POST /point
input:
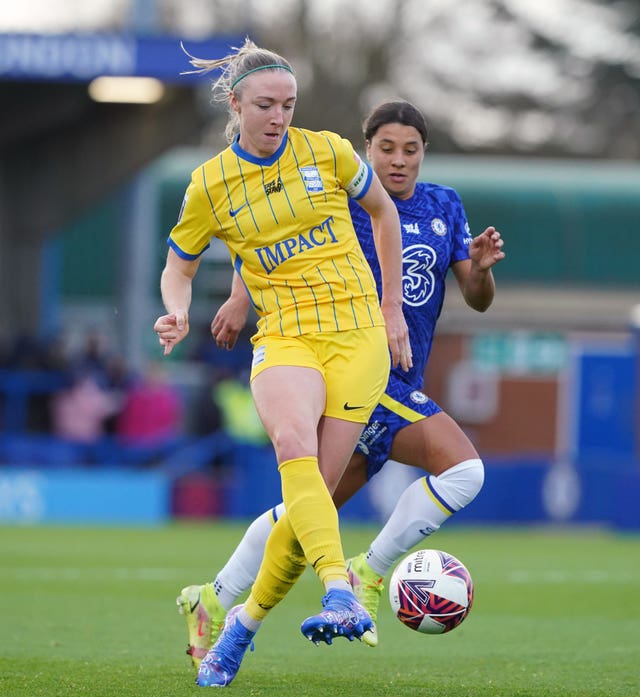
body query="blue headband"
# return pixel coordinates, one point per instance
(260, 67)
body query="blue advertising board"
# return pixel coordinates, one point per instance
(83, 496)
(604, 403)
(83, 57)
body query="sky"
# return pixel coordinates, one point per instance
(61, 15)
(466, 63)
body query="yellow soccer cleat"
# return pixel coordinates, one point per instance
(367, 587)
(204, 616)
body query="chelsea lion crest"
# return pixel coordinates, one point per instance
(439, 227)
(418, 397)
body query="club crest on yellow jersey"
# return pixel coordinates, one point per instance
(312, 179)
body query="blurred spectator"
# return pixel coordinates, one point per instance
(207, 416)
(120, 378)
(25, 354)
(94, 357)
(54, 354)
(152, 413)
(33, 368)
(207, 352)
(239, 416)
(79, 412)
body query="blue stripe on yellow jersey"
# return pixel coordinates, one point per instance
(286, 222)
(435, 234)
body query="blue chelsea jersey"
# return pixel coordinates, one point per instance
(435, 235)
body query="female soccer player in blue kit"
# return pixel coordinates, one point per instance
(406, 426)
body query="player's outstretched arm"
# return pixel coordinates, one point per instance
(474, 276)
(385, 224)
(175, 286)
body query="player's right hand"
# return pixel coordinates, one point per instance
(171, 329)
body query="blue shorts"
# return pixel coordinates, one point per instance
(399, 406)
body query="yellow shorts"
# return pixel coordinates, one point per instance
(354, 364)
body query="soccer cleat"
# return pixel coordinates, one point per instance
(342, 616)
(222, 663)
(204, 616)
(367, 587)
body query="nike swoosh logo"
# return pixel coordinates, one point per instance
(322, 556)
(200, 632)
(348, 407)
(234, 211)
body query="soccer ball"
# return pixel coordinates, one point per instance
(431, 591)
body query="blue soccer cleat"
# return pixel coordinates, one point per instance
(342, 616)
(222, 663)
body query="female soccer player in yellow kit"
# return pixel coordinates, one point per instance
(277, 197)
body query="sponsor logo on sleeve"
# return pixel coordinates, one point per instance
(184, 203)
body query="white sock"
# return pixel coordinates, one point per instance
(247, 621)
(421, 509)
(240, 571)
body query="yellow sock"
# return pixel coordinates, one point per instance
(313, 517)
(282, 565)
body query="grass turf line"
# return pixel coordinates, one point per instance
(91, 612)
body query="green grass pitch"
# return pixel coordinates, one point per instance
(88, 611)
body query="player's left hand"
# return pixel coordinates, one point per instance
(485, 250)
(229, 321)
(397, 336)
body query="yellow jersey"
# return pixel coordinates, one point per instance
(285, 220)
